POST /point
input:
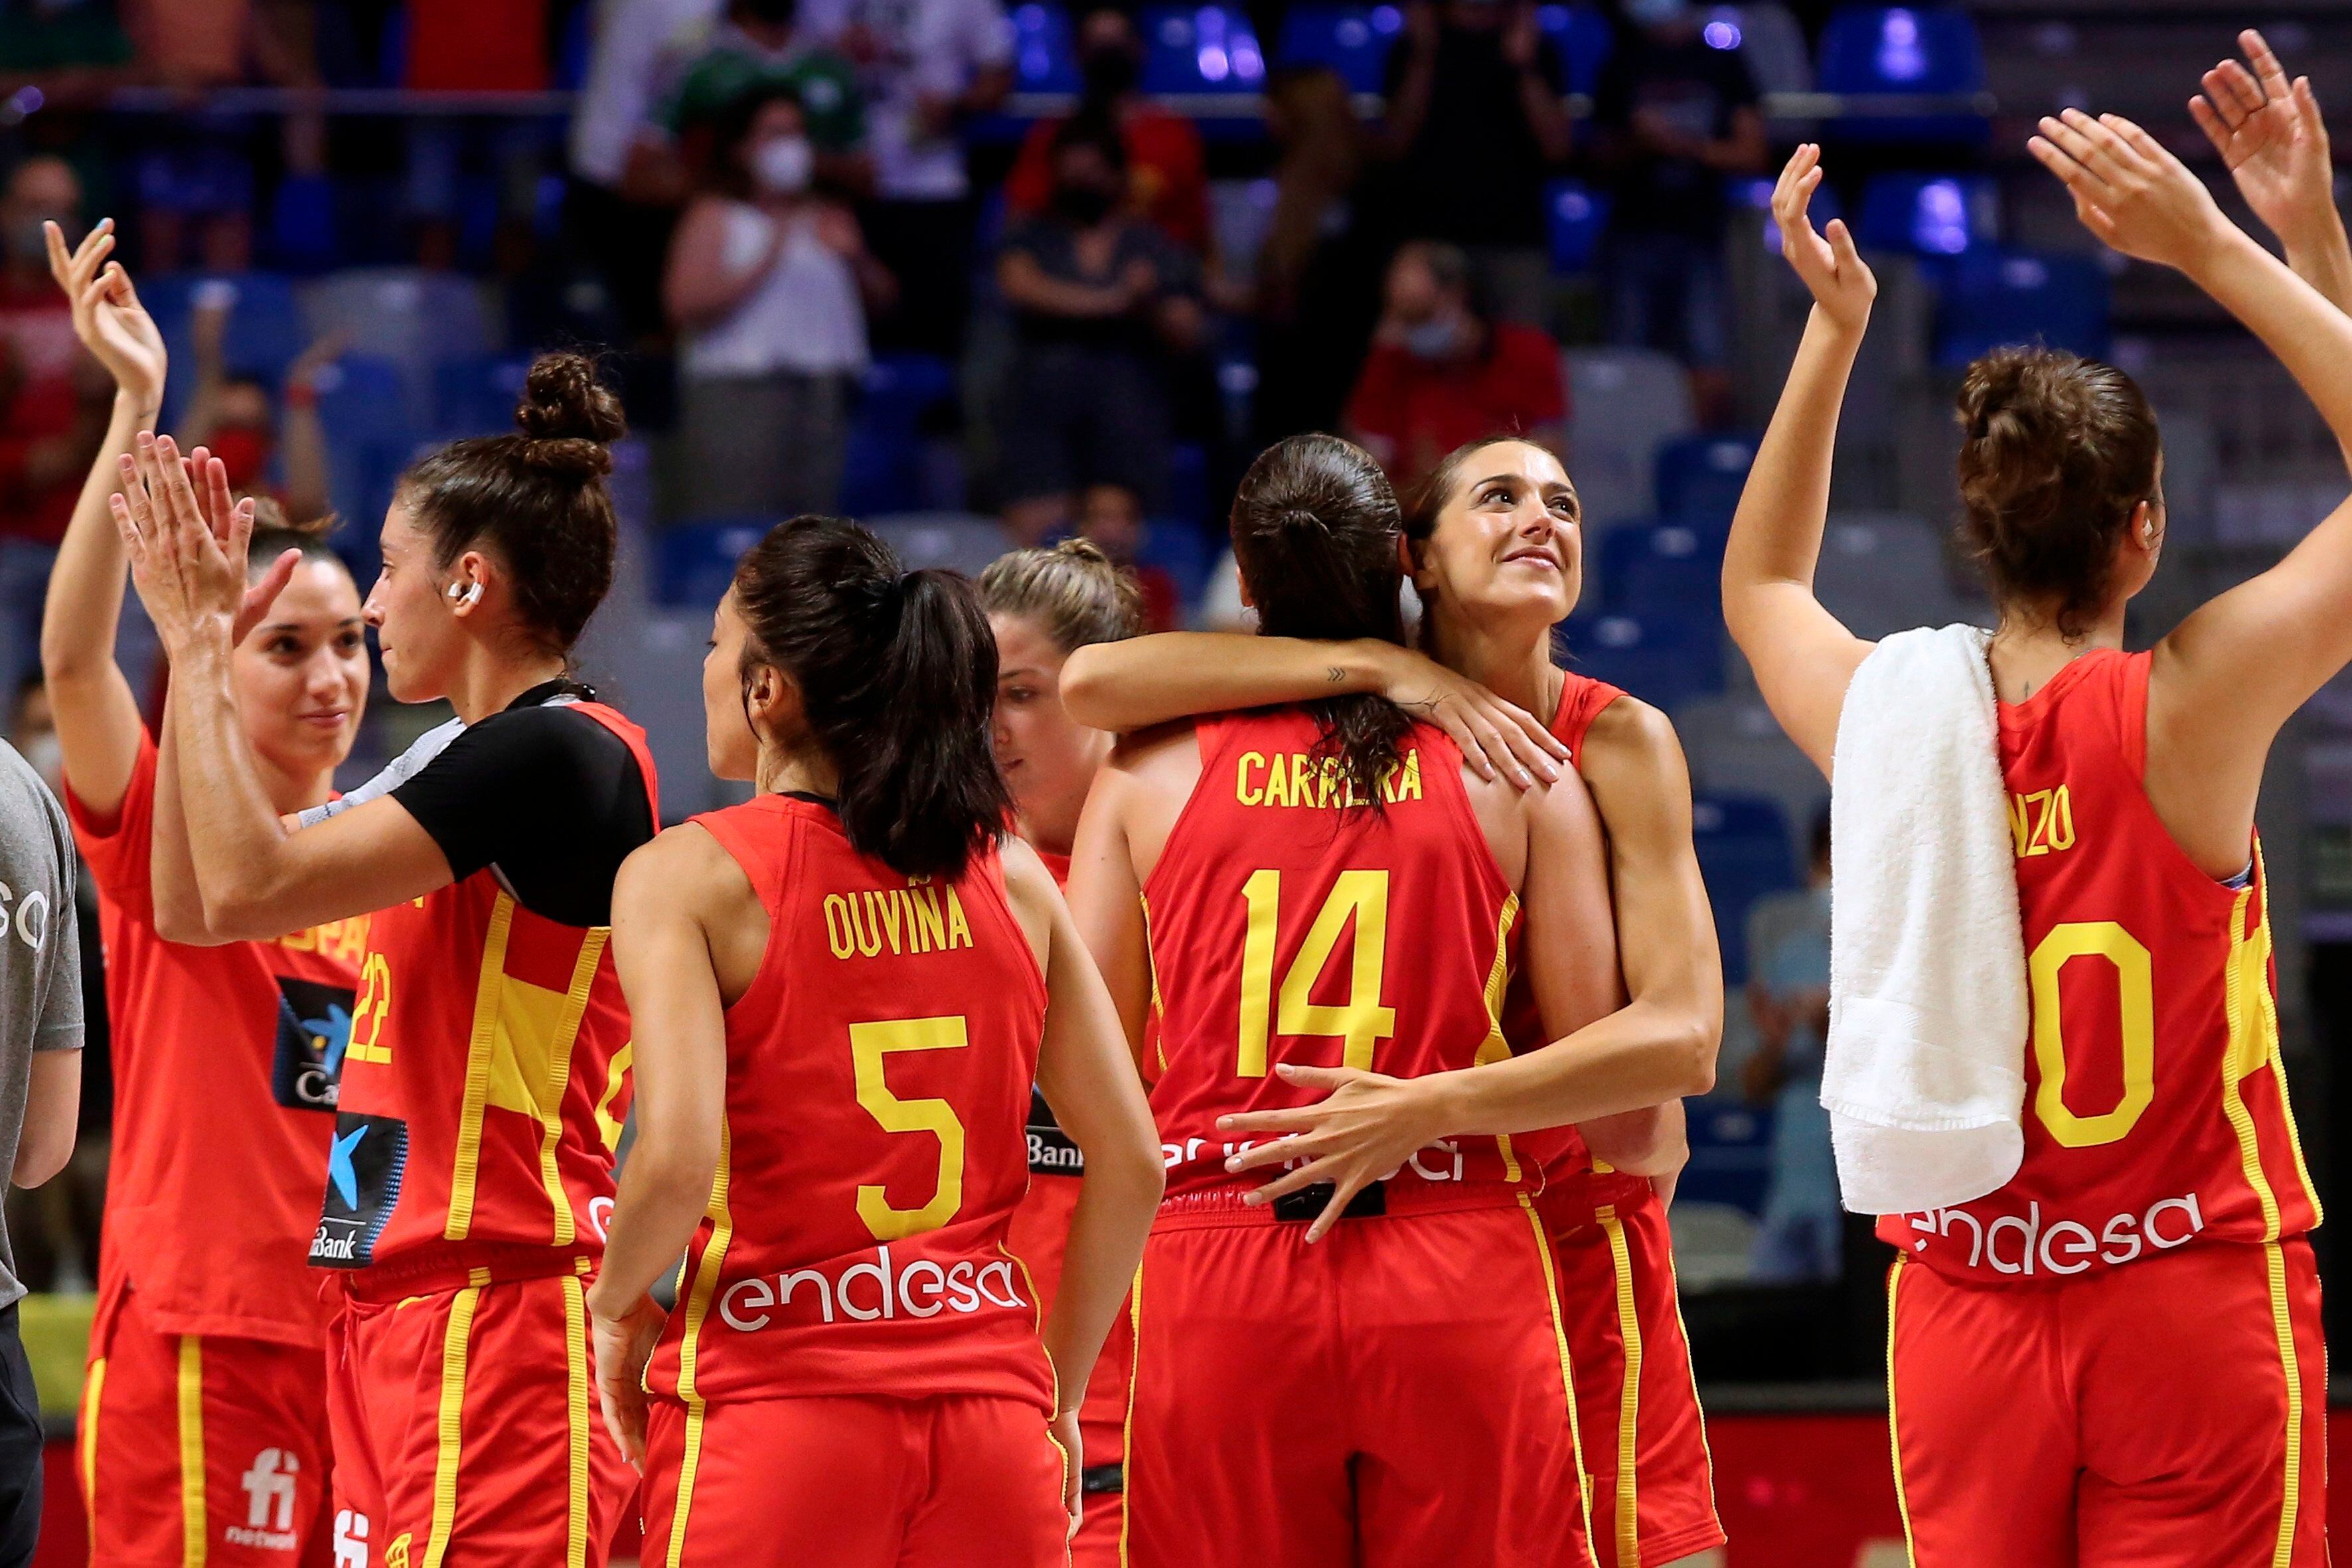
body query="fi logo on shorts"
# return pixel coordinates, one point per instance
(314, 1029)
(269, 1487)
(365, 1162)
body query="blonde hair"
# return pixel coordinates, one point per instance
(1077, 594)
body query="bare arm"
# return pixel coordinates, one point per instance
(2230, 675)
(302, 437)
(1142, 681)
(52, 1116)
(1106, 906)
(1803, 655)
(697, 288)
(1090, 1079)
(97, 713)
(2269, 133)
(1027, 286)
(663, 902)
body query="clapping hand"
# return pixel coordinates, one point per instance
(1842, 285)
(106, 315)
(188, 537)
(2269, 135)
(2129, 190)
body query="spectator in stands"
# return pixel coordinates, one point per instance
(1168, 180)
(52, 404)
(624, 234)
(926, 68)
(1475, 123)
(1111, 519)
(1443, 371)
(72, 53)
(1317, 281)
(769, 284)
(1101, 299)
(236, 417)
(1799, 1242)
(1676, 116)
(755, 43)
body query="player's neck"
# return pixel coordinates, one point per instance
(291, 790)
(1512, 661)
(796, 773)
(487, 684)
(2029, 648)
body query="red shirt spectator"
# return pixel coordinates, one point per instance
(478, 45)
(46, 444)
(1439, 375)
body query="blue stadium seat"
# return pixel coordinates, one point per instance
(1663, 656)
(1730, 1156)
(1671, 569)
(1178, 547)
(477, 395)
(1199, 49)
(1700, 477)
(1744, 852)
(1353, 40)
(1901, 49)
(1044, 54)
(264, 333)
(2021, 297)
(1770, 42)
(370, 439)
(1585, 41)
(300, 233)
(882, 468)
(1577, 216)
(1934, 217)
(694, 562)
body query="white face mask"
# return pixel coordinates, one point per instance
(781, 166)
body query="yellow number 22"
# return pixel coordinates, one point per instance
(1362, 896)
(869, 1044)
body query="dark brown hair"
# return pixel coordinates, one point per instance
(536, 499)
(1315, 527)
(897, 673)
(2056, 452)
(1078, 594)
(273, 534)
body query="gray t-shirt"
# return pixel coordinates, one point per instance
(40, 954)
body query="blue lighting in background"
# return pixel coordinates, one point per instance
(1939, 223)
(1387, 19)
(1574, 205)
(1721, 34)
(1900, 58)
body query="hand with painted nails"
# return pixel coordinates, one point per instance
(1362, 1132)
(2130, 191)
(2269, 135)
(1842, 285)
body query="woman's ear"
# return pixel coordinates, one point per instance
(1241, 582)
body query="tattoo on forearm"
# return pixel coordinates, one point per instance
(1337, 675)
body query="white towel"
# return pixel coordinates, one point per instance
(1925, 1073)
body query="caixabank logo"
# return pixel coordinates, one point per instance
(314, 1029)
(365, 1163)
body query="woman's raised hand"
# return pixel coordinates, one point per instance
(188, 549)
(2129, 190)
(1841, 284)
(2271, 136)
(106, 315)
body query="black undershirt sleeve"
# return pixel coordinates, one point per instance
(552, 798)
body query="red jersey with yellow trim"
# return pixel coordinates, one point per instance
(486, 1083)
(1289, 923)
(878, 1075)
(225, 1061)
(2155, 1106)
(1572, 1187)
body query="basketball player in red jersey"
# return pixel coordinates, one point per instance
(1495, 547)
(470, 1178)
(846, 989)
(1273, 884)
(2039, 1334)
(1042, 604)
(204, 1416)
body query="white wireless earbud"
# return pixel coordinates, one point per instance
(467, 596)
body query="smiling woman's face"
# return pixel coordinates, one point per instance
(301, 675)
(1509, 541)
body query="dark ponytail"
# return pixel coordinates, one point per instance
(897, 672)
(1315, 528)
(536, 498)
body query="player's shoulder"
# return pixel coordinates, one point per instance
(1156, 753)
(1629, 734)
(685, 867)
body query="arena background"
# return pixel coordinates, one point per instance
(362, 217)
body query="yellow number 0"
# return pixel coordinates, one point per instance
(869, 1044)
(2135, 990)
(1359, 1020)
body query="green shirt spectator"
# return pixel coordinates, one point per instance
(744, 50)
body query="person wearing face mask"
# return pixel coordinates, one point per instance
(707, 69)
(1100, 300)
(769, 283)
(1442, 371)
(1164, 156)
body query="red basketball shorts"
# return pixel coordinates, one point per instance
(196, 1448)
(1637, 1408)
(1395, 1393)
(2171, 1412)
(466, 1432)
(954, 1481)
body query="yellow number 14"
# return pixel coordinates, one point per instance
(1359, 896)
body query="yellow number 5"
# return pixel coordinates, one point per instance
(2135, 994)
(869, 1044)
(1361, 1019)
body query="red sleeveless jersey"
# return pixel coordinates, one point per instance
(878, 1076)
(486, 1082)
(2156, 1109)
(1572, 1181)
(1286, 929)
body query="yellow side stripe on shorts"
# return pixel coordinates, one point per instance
(93, 1386)
(1127, 1428)
(1628, 1398)
(1894, 1432)
(193, 1533)
(2291, 1491)
(1567, 1372)
(698, 1308)
(454, 1343)
(575, 1366)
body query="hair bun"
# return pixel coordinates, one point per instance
(565, 405)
